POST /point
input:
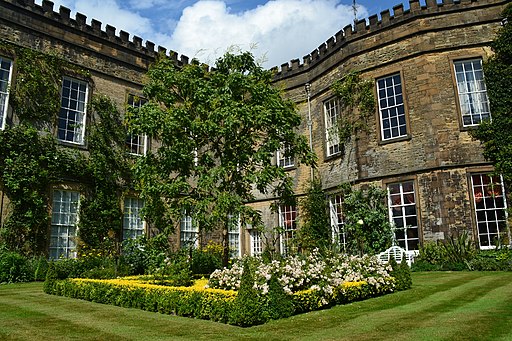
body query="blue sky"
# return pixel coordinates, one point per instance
(276, 31)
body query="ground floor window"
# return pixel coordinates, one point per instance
(189, 232)
(403, 214)
(490, 209)
(256, 244)
(133, 225)
(288, 225)
(64, 224)
(234, 237)
(337, 223)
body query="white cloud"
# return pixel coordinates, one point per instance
(282, 29)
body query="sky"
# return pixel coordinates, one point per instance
(275, 31)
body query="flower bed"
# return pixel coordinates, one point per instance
(309, 283)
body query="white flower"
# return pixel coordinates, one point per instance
(360, 222)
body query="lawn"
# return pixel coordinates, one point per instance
(440, 306)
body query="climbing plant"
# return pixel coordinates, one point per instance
(31, 158)
(357, 104)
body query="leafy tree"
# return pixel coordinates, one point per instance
(218, 130)
(366, 220)
(495, 134)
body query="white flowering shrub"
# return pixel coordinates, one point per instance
(324, 274)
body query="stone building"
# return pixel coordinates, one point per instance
(426, 66)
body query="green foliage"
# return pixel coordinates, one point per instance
(366, 221)
(28, 162)
(205, 261)
(14, 268)
(31, 158)
(108, 172)
(199, 304)
(492, 260)
(144, 255)
(277, 303)
(495, 135)
(247, 307)
(357, 104)
(460, 249)
(218, 130)
(314, 231)
(402, 274)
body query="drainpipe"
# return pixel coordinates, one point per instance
(307, 87)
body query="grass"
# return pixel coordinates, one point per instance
(440, 306)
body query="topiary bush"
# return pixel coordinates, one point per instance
(247, 307)
(402, 274)
(277, 303)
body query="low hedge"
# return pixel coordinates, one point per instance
(196, 301)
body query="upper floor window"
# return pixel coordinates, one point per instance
(5, 80)
(133, 224)
(391, 107)
(288, 225)
(71, 121)
(474, 104)
(332, 117)
(403, 214)
(490, 209)
(284, 158)
(64, 224)
(136, 143)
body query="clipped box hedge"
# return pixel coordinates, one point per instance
(195, 301)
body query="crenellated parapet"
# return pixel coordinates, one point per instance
(119, 38)
(344, 41)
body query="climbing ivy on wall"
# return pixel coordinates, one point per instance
(31, 158)
(357, 105)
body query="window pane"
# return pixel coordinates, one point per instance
(403, 214)
(71, 120)
(389, 90)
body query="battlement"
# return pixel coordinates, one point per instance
(374, 25)
(342, 39)
(79, 22)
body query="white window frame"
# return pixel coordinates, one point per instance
(64, 224)
(77, 126)
(137, 144)
(393, 120)
(234, 235)
(133, 224)
(332, 114)
(339, 236)
(403, 208)
(256, 242)
(284, 160)
(471, 91)
(288, 226)
(189, 232)
(485, 202)
(4, 91)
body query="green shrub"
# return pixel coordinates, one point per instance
(402, 274)
(247, 307)
(460, 250)
(14, 268)
(492, 260)
(213, 304)
(206, 261)
(277, 303)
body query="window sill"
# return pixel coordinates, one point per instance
(397, 139)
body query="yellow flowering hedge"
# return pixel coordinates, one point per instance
(194, 301)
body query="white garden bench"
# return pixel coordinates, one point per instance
(398, 254)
